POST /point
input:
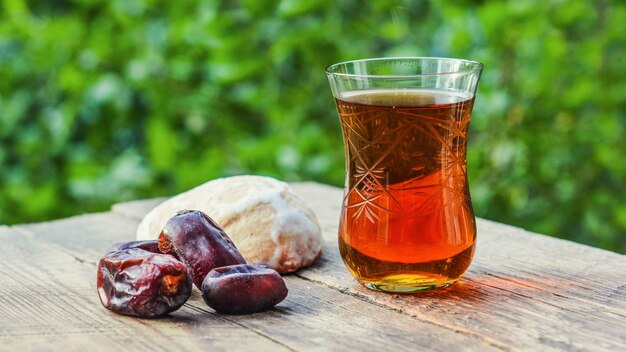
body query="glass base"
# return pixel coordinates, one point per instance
(408, 283)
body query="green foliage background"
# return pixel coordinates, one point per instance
(105, 101)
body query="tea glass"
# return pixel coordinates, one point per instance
(407, 222)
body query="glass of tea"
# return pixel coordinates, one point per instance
(407, 223)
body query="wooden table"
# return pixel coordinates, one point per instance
(523, 291)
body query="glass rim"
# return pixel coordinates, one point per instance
(476, 67)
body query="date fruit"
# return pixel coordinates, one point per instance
(242, 289)
(137, 282)
(199, 242)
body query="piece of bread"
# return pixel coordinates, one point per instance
(267, 221)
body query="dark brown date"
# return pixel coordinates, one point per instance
(243, 289)
(199, 242)
(133, 281)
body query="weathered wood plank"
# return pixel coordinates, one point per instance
(550, 265)
(48, 301)
(523, 290)
(313, 317)
(90, 235)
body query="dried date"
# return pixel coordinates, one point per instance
(199, 242)
(138, 282)
(242, 289)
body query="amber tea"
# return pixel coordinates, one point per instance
(407, 223)
(407, 218)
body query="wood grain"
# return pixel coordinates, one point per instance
(313, 317)
(523, 290)
(48, 301)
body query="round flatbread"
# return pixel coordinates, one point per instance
(268, 222)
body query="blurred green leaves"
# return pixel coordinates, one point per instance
(104, 101)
